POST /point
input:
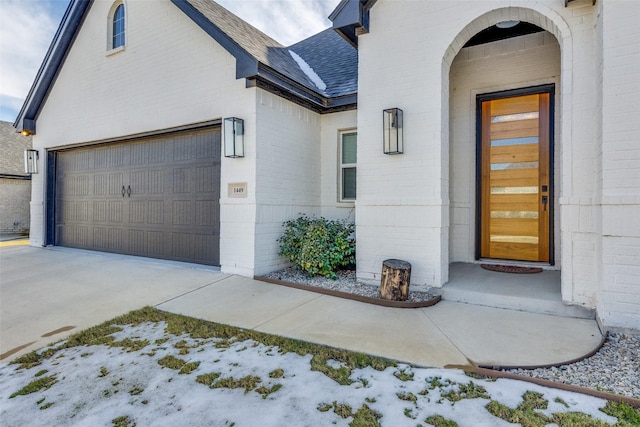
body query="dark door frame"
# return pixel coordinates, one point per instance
(532, 90)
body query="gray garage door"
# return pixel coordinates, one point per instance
(157, 197)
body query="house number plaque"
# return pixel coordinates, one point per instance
(237, 190)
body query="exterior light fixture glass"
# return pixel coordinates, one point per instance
(31, 161)
(507, 24)
(392, 130)
(233, 137)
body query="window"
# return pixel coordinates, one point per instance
(117, 27)
(348, 159)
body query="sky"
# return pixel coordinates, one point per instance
(100, 385)
(27, 28)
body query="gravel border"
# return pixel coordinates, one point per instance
(346, 282)
(614, 368)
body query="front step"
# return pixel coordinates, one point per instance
(534, 293)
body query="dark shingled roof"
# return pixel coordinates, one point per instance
(330, 56)
(333, 59)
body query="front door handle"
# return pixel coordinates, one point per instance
(128, 191)
(545, 200)
(123, 191)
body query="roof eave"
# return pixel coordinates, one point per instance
(278, 84)
(351, 18)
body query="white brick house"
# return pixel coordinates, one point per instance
(127, 113)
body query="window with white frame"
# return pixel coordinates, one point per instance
(348, 159)
(117, 26)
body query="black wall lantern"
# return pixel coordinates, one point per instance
(392, 128)
(233, 137)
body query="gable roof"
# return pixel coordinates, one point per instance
(319, 73)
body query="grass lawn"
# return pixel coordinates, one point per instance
(150, 367)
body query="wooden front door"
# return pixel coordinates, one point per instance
(515, 181)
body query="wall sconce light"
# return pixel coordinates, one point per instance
(31, 161)
(233, 137)
(392, 129)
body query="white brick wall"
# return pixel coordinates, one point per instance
(619, 304)
(287, 172)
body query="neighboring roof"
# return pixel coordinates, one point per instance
(12, 146)
(321, 74)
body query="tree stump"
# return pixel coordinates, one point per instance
(395, 280)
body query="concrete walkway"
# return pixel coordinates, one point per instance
(48, 293)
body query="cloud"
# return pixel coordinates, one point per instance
(287, 21)
(27, 30)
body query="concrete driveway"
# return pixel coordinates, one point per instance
(47, 294)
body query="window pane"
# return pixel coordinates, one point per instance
(514, 141)
(349, 147)
(514, 190)
(349, 183)
(515, 117)
(118, 27)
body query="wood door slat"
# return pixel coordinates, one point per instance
(514, 202)
(514, 178)
(516, 251)
(514, 226)
(515, 153)
(517, 129)
(515, 105)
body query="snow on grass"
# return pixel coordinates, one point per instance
(247, 383)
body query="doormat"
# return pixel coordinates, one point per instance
(511, 269)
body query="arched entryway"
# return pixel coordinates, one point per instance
(505, 56)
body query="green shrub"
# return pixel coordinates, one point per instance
(318, 245)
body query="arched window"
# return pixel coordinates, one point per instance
(117, 38)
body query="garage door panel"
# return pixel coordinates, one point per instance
(139, 182)
(207, 212)
(155, 182)
(170, 207)
(138, 211)
(182, 149)
(155, 209)
(182, 213)
(182, 180)
(205, 177)
(116, 183)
